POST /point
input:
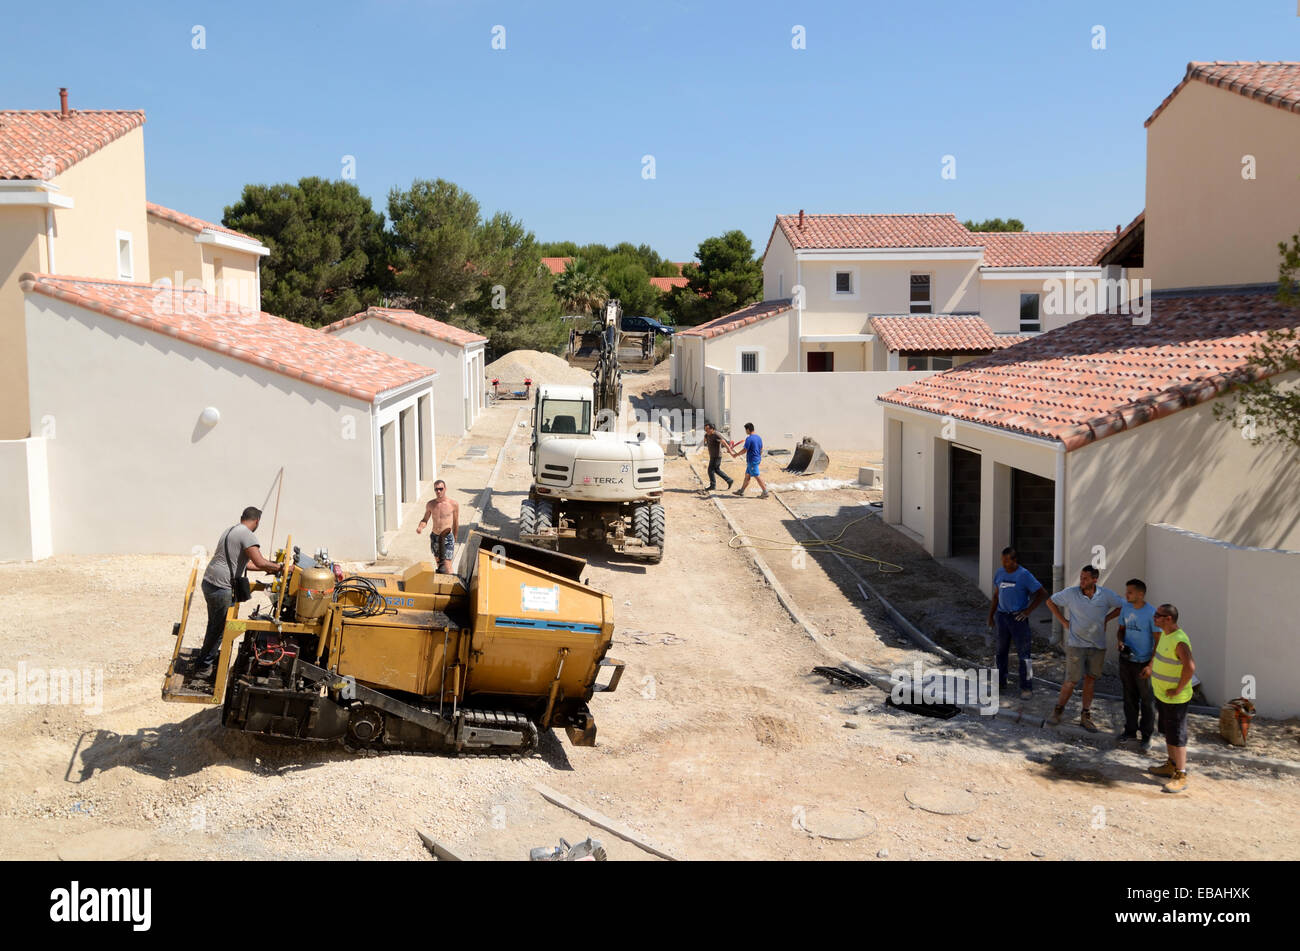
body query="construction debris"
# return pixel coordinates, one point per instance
(600, 821)
(843, 677)
(588, 850)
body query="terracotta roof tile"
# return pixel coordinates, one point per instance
(255, 337)
(197, 225)
(556, 265)
(1042, 248)
(737, 319)
(416, 323)
(666, 284)
(42, 144)
(875, 231)
(1103, 374)
(1274, 83)
(939, 333)
(1114, 242)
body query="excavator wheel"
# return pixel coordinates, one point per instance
(527, 517)
(545, 515)
(641, 523)
(657, 526)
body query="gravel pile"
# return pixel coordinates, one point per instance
(518, 365)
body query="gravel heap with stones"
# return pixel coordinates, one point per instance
(518, 365)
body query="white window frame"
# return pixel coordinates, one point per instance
(929, 302)
(130, 253)
(1020, 320)
(852, 294)
(758, 359)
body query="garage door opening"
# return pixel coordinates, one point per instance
(1033, 513)
(963, 503)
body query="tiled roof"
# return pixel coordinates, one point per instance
(1042, 248)
(416, 323)
(29, 138)
(875, 231)
(666, 284)
(737, 319)
(255, 337)
(1274, 83)
(1103, 374)
(1122, 236)
(556, 265)
(939, 333)
(197, 225)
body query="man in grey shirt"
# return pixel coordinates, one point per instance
(1091, 608)
(237, 548)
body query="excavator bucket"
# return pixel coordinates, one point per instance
(808, 458)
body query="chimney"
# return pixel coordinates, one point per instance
(1117, 229)
(800, 219)
(63, 102)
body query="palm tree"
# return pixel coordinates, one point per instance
(579, 290)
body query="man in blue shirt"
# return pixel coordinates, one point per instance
(1016, 593)
(1091, 608)
(753, 447)
(1137, 641)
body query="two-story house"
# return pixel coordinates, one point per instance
(882, 293)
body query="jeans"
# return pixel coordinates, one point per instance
(1137, 692)
(219, 602)
(715, 469)
(1009, 629)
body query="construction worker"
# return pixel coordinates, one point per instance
(444, 513)
(714, 442)
(237, 548)
(1137, 637)
(1016, 593)
(1171, 670)
(753, 447)
(1091, 609)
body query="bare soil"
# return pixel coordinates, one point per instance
(719, 743)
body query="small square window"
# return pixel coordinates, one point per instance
(920, 302)
(749, 362)
(843, 282)
(1029, 320)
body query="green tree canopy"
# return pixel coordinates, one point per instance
(727, 278)
(995, 224)
(579, 289)
(514, 306)
(436, 245)
(327, 256)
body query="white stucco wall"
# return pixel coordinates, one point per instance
(839, 410)
(1232, 602)
(460, 369)
(25, 500)
(132, 469)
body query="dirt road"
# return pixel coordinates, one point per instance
(719, 743)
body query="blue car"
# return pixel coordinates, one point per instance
(631, 324)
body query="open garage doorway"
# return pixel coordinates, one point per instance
(1033, 514)
(964, 503)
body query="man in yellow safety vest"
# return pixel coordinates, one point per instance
(1171, 670)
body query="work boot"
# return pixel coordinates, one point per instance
(764, 495)
(1168, 769)
(739, 492)
(1085, 721)
(1123, 738)
(1178, 783)
(1055, 718)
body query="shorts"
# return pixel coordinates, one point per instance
(1081, 660)
(751, 469)
(1171, 720)
(443, 546)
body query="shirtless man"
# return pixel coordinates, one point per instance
(444, 513)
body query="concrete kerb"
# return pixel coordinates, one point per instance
(883, 681)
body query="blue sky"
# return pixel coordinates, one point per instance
(741, 126)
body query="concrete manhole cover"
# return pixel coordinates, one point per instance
(842, 823)
(104, 844)
(942, 800)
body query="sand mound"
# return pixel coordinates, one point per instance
(518, 365)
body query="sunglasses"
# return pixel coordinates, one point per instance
(441, 488)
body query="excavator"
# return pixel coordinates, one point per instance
(419, 662)
(591, 481)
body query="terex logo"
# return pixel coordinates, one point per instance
(102, 904)
(602, 480)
